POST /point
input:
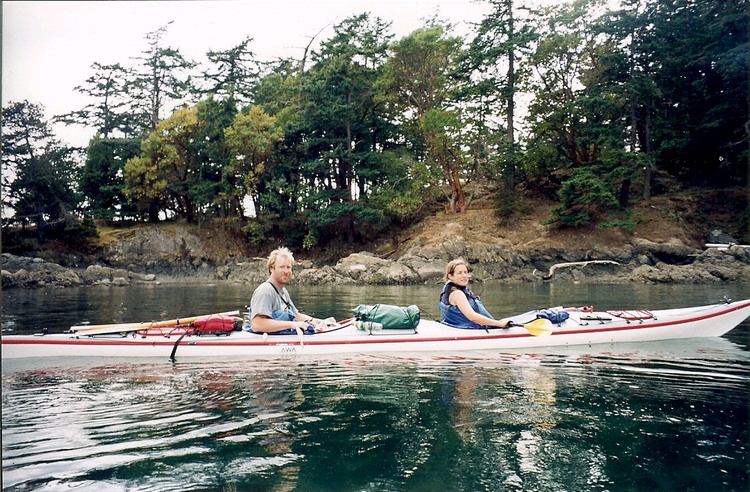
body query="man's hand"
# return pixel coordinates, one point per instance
(322, 324)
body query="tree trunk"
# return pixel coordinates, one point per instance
(155, 98)
(459, 205)
(153, 213)
(624, 192)
(40, 228)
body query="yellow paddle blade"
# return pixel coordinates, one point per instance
(540, 327)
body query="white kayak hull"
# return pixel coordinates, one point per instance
(581, 328)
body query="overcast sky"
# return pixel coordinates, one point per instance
(48, 47)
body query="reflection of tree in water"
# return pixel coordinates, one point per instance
(274, 396)
(324, 426)
(381, 424)
(248, 410)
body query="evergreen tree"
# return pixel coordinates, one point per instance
(103, 177)
(233, 75)
(162, 78)
(39, 174)
(344, 131)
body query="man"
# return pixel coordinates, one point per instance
(271, 307)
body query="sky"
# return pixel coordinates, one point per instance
(48, 47)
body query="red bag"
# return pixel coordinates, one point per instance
(218, 324)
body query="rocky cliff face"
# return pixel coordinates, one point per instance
(177, 254)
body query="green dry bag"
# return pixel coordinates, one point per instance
(391, 317)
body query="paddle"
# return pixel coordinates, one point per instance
(125, 327)
(540, 327)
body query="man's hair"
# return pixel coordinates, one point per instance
(275, 254)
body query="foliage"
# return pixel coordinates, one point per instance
(506, 204)
(76, 233)
(159, 79)
(17, 241)
(234, 76)
(416, 85)
(163, 177)
(363, 221)
(250, 140)
(39, 175)
(366, 131)
(102, 177)
(111, 110)
(583, 196)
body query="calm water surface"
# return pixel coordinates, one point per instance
(669, 416)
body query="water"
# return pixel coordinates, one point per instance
(661, 416)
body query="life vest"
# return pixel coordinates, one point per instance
(452, 316)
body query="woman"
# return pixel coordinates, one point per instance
(459, 307)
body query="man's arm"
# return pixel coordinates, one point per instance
(265, 324)
(265, 301)
(318, 323)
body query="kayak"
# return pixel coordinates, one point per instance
(176, 339)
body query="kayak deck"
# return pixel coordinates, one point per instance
(582, 327)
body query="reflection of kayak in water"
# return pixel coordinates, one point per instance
(711, 348)
(580, 328)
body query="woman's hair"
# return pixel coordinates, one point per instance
(450, 268)
(275, 254)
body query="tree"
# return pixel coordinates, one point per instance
(277, 196)
(214, 187)
(699, 49)
(111, 114)
(417, 87)
(250, 140)
(234, 75)
(103, 177)
(162, 178)
(489, 78)
(159, 80)
(343, 129)
(38, 173)
(578, 118)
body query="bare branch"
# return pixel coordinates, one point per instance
(553, 268)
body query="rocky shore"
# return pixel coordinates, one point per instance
(169, 255)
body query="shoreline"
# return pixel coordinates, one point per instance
(643, 262)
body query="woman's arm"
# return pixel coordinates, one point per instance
(459, 299)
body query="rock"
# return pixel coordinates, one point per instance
(25, 272)
(720, 237)
(424, 271)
